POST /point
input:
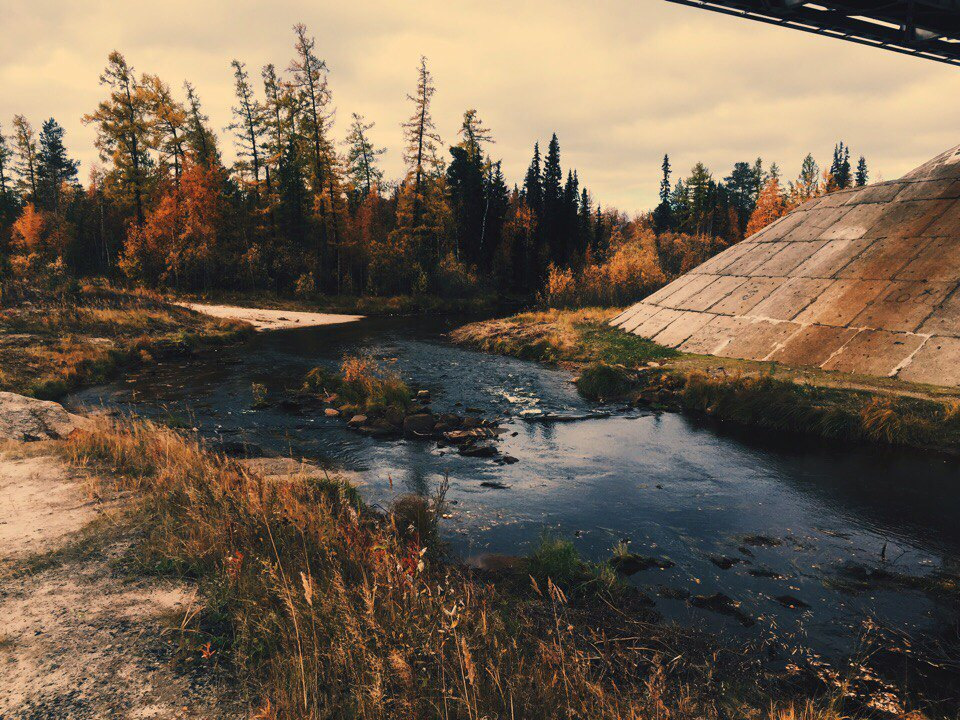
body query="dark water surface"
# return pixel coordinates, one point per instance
(671, 486)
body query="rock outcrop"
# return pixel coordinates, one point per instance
(863, 280)
(26, 419)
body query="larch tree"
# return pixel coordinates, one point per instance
(422, 142)
(278, 121)
(770, 206)
(473, 133)
(248, 124)
(168, 122)
(200, 137)
(54, 166)
(25, 148)
(123, 129)
(310, 79)
(5, 157)
(808, 184)
(361, 158)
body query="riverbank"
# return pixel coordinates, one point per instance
(328, 607)
(265, 319)
(614, 365)
(53, 345)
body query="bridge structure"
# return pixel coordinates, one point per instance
(927, 29)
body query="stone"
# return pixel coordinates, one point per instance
(331, 412)
(357, 420)
(478, 450)
(420, 425)
(26, 419)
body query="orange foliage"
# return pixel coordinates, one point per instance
(770, 207)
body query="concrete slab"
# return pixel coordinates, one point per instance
(714, 336)
(757, 340)
(713, 293)
(792, 255)
(930, 190)
(831, 258)
(756, 255)
(884, 258)
(902, 306)
(874, 352)
(668, 289)
(948, 223)
(656, 322)
(682, 328)
(719, 263)
(945, 319)
(643, 312)
(908, 219)
(937, 363)
(877, 193)
(842, 301)
(779, 229)
(812, 345)
(938, 261)
(745, 297)
(790, 299)
(855, 223)
(816, 223)
(696, 284)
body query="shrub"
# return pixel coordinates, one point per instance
(599, 381)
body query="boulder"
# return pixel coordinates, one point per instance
(27, 419)
(458, 437)
(419, 425)
(478, 450)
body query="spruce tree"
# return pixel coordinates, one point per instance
(862, 175)
(551, 218)
(663, 219)
(54, 166)
(840, 176)
(533, 183)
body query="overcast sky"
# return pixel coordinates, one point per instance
(620, 81)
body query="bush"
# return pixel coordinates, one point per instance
(600, 381)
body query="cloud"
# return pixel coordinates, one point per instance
(621, 83)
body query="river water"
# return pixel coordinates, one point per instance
(831, 519)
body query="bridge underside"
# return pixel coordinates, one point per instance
(923, 28)
(864, 281)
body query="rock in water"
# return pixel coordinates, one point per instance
(27, 419)
(419, 425)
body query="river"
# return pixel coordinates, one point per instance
(845, 530)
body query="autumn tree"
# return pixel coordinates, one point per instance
(770, 206)
(808, 184)
(25, 148)
(200, 138)
(279, 110)
(422, 142)
(123, 129)
(167, 123)
(55, 169)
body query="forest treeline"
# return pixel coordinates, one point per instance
(304, 212)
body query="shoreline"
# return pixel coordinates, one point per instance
(264, 319)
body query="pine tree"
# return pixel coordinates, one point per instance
(551, 217)
(743, 185)
(663, 219)
(248, 124)
(123, 129)
(700, 189)
(533, 182)
(54, 166)
(361, 159)
(25, 148)
(862, 176)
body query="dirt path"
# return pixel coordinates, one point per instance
(79, 637)
(272, 319)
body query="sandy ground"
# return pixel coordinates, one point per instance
(79, 637)
(272, 319)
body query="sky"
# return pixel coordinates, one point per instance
(621, 82)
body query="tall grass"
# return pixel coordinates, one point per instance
(332, 610)
(363, 385)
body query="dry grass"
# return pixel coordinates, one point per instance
(56, 344)
(363, 386)
(332, 610)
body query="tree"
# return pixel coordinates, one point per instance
(361, 159)
(422, 140)
(807, 185)
(123, 129)
(310, 79)
(54, 166)
(279, 107)
(168, 123)
(533, 182)
(25, 146)
(551, 217)
(862, 176)
(840, 176)
(248, 124)
(770, 206)
(200, 137)
(700, 189)
(5, 157)
(743, 184)
(663, 219)
(468, 203)
(473, 133)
